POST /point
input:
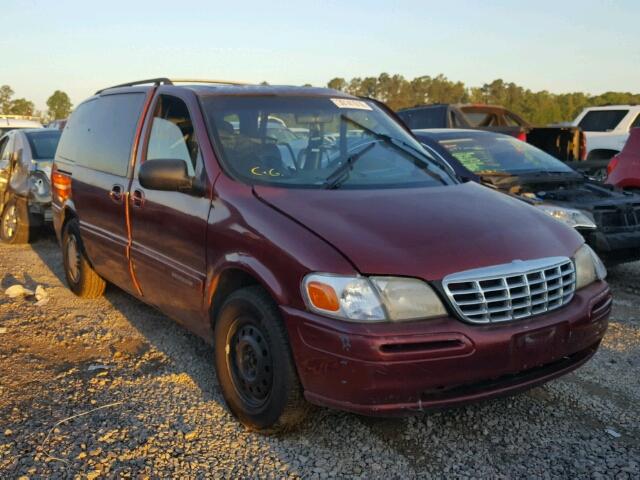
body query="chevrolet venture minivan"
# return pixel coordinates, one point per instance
(313, 241)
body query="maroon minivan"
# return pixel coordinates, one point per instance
(329, 259)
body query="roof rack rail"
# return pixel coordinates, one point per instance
(167, 81)
(218, 82)
(155, 81)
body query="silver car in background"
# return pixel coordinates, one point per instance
(26, 156)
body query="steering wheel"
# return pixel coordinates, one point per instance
(328, 146)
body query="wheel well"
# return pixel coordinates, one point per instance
(602, 154)
(68, 215)
(228, 282)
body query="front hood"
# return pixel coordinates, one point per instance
(425, 232)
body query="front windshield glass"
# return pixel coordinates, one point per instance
(486, 153)
(317, 142)
(44, 143)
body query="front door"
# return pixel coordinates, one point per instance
(168, 229)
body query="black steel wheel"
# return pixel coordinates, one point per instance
(81, 277)
(254, 365)
(250, 361)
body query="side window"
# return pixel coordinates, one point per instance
(112, 128)
(636, 122)
(172, 134)
(100, 133)
(75, 134)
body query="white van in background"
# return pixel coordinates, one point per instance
(12, 122)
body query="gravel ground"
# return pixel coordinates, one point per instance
(114, 389)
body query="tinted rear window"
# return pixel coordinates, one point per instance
(43, 144)
(425, 118)
(99, 134)
(602, 120)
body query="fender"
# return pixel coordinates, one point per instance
(244, 262)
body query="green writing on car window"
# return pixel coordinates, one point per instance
(474, 159)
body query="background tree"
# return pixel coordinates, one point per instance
(539, 108)
(6, 92)
(59, 105)
(337, 84)
(21, 106)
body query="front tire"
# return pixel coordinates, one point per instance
(254, 364)
(14, 225)
(81, 277)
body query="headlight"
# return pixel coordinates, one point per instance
(569, 216)
(589, 267)
(372, 299)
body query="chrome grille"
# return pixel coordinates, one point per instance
(511, 291)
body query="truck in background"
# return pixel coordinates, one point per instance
(606, 130)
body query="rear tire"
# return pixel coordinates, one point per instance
(254, 364)
(14, 225)
(81, 277)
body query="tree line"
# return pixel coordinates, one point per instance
(539, 108)
(58, 105)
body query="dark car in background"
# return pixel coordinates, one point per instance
(26, 156)
(338, 263)
(624, 168)
(608, 219)
(565, 143)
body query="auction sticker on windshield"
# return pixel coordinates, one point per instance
(349, 103)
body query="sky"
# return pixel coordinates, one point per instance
(79, 46)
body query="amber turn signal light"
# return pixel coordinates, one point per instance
(323, 296)
(60, 185)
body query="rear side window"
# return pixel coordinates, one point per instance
(99, 134)
(602, 120)
(636, 122)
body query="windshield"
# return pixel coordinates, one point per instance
(317, 142)
(43, 144)
(488, 153)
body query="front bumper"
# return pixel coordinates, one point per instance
(389, 369)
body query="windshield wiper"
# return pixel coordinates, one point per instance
(340, 174)
(425, 161)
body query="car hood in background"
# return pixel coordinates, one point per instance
(425, 232)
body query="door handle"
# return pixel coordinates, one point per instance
(137, 198)
(116, 193)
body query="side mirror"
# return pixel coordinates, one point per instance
(168, 175)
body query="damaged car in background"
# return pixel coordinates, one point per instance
(608, 218)
(25, 186)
